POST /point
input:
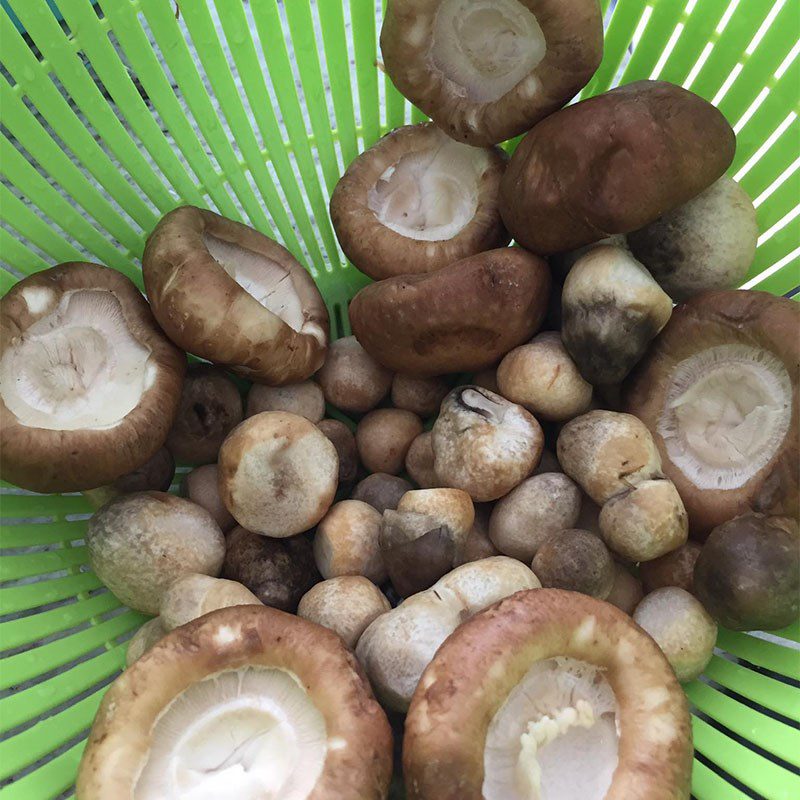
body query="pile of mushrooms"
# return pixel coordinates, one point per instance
(479, 503)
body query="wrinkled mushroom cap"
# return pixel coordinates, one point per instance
(90, 385)
(417, 201)
(477, 720)
(243, 701)
(278, 473)
(229, 294)
(488, 71)
(463, 317)
(719, 392)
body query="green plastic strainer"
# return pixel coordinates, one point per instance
(127, 108)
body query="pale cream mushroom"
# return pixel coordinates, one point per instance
(201, 486)
(151, 632)
(191, 596)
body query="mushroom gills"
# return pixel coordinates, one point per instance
(251, 733)
(77, 367)
(486, 47)
(430, 195)
(555, 737)
(265, 280)
(726, 412)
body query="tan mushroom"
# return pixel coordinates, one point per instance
(345, 443)
(421, 396)
(383, 438)
(191, 596)
(304, 399)
(201, 486)
(419, 462)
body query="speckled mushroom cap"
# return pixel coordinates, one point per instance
(320, 690)
(109, 397)
(479, 666)
(219, 289)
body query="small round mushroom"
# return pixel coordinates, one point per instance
(484, 444)
(419, 462)
(707, 243)
(345, 443)
(89, 385)
(383, 437)
(416, 548)
(304, 399)
(530, 513)
(381, 491)
(606, 453)
(155, 474)
(681, 627)
(278, 473)
(720, 392)
(191, 596)
(486, 72)
(477, 544)
(612, 309)
(576, 560)
(151, 632)
(529, 698)
(543, 378)
(417, 201)
(675, 568)
(245, 702)
(626, 593)
(748, 573)
(201, 486)
(451, 507)
(211, 407)
(277, 571)
(645, 522)
(139, 544)
(231, 295)
(421, 396)
(346, 605)
(351, 379)
(346, 542)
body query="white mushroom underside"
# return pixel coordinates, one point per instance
(77, 367)
(262, 278)
(486, 46)
(430, 195)
(249, 734)
(555, 737)
(727, 411)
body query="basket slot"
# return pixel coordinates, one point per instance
(395, 103)
(365, 38)
(708, 785)
(771, 656)
(26, 566)
(31, 76)
(19, 257)
(697, 35)
(34, 595)
(19, 506)
(49, 780)
(654, 39)
(31, 534)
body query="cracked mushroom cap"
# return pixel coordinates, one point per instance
(90, 385)
(417, 201)
(461, 318)
(488, 70)
(229, 294)
(246, 702)
(548, 694)
(719, 392)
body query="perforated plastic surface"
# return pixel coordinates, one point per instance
(128, 108)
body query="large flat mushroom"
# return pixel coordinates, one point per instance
(229, 294)
(90, 385)
(245, 702)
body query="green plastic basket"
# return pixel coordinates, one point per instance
(127, 108)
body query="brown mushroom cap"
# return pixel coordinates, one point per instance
(472, 679)
(612, 164)
(487, 72)
(463, 317)
(345, 443)
(257, 667)
(419, 462)
(417, 201)
(484, 444)
(576, 560)
(139, 544)
(229, 294)
(381, 491)
(304, 399)
(351, 379)
(626, 593)
(156, 473)
(278, 473)
(720, 392)
(211, 407)
(201, 486)
(277, 571)
(383, 437)
(676, 568)
(346, 605)
(90, 385)
(422, 396)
